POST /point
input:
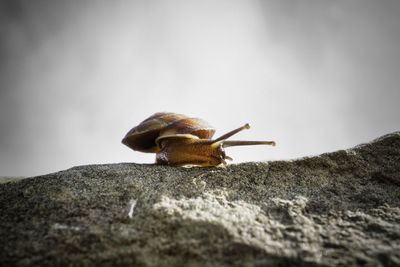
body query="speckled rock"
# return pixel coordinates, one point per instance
(336, 209)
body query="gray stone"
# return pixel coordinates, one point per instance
(336, 209)
(6, 179)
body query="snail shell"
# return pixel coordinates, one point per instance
(148, 135)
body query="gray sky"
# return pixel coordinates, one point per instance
(75, 76)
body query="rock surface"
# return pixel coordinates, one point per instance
(336, 209)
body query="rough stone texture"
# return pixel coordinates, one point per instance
(6, 179)
(336, 209)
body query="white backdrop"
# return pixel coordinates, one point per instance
(314, 76)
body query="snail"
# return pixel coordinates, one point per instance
(179, 140)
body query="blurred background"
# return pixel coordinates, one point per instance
(75, 76)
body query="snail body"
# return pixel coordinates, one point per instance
(179, 140)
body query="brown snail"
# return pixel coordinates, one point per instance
(179, 140)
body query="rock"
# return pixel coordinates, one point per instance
(336, 209)
(6, 179)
